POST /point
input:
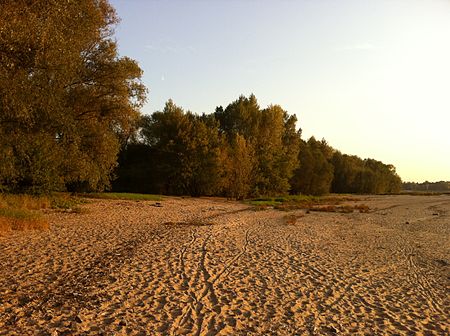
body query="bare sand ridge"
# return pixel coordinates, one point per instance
(211, 267)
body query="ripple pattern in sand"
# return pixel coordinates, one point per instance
(211, 267)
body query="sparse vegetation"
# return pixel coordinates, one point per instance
(310, 203)
(123, 196)
(64, 201)
(22, 212)
(12, 219)
(362, 208)
(22, 201)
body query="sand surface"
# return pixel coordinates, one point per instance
(212, 267)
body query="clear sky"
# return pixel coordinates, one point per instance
(372, 77)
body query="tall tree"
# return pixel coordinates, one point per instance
(188, 151)
(240, 117)
(239, 165)
(272, 135)
(66, 98)
(315, 172)
(276, 150)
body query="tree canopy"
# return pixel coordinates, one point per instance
(67, 100)
(242, 151)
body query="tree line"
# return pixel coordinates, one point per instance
(443, 186)
(70, 120)
(241, 151)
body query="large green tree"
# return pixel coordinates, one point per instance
(187, 149)
(272, 137)
(67, 99)
(239, 165)
(315, 173)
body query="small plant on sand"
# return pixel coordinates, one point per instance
(291, 219)
(363, 208)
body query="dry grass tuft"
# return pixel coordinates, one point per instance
(20, 220)
(363, 208)
(21, 201)
(19, 212)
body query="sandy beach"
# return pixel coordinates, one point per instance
(215, 267)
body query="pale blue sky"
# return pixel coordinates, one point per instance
(370, 76)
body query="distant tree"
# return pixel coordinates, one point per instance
(302, 178)
(347, 168)
(440, 186)
(355, 175)
(66, 98)
(204, 159)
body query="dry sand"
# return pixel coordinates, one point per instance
(212, 267)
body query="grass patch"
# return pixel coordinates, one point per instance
(21, 219)
(64, 201)
(123, 196)
(22, 212)
(330, 203)
(22, 201)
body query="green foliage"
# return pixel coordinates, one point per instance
(271, 137)
(67, 101)
(294, 202)
(187, 150)
(240, 117)
(315, 172)
(22, 214)
(323, 169)
(239, 164)
(241, 151)
(354, 175)
(64, 201)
